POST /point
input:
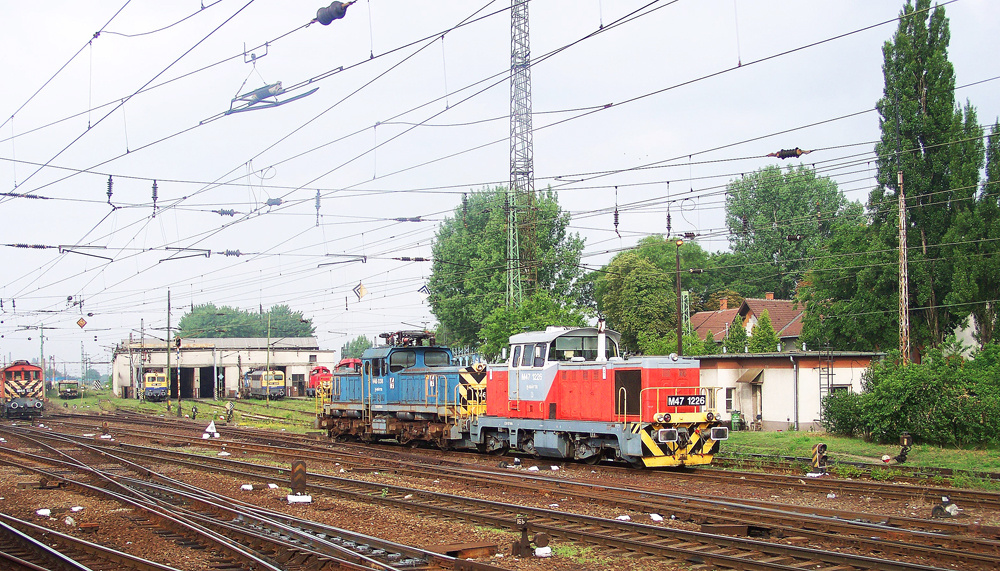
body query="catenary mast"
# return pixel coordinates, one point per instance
(522, 176)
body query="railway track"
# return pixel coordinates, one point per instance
(886, 538)
(252, 538)
(30, 547)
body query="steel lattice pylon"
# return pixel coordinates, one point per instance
(522, 175)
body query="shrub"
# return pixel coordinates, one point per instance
(842, 414)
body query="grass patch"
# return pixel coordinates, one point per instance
(289, 415)
(581, 555)
(840, 448)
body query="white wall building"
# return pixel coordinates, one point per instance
(213, 367)
(784, 390)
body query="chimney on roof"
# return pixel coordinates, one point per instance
(723, 304)
(768, 295)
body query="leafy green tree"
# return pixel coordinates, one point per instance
(763, 338)
(709, 345)
(468, 275)
(636, 297)
(735, 340)
(210, 321)
(936, 146)
(663, 251)
(355, 347)
(920, 122)
(650, 344)
(535, 314)
(777, 221)
(974, 244)
(849, 295)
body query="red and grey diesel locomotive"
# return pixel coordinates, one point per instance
(22, 390)
(562, 393)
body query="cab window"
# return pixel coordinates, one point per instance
(400, 360)
(515, 356)
(436, 359)
(527, 358)
(539, 355)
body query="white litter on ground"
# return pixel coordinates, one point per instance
(247, 487)
(815, 475)
(656, 517)
(952, 509)
(106, 436)
(554, 468)
(206, 436)
(407, 496)
(831, 496)
(299, 499)
(69, 521)
(543, 552)
(223, 453)
(623, 518)
(73, 509)
(273, 486)
(44, 512)
(533, 469)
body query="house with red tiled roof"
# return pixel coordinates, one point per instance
(785, 314)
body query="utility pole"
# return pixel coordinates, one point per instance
(267, 378)
(522, 177)
(142, 355)
(680, 322)
(904, 278)
(41, 353)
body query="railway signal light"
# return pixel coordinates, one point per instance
(819, 458)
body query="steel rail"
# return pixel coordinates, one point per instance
(688, 545)
(330, 550)
(30, 533)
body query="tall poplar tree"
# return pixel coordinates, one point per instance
(917, 115)
(936, 148)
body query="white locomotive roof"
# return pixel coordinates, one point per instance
(552, 332)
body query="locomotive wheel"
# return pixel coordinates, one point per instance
(592, 460)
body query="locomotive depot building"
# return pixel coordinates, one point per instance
(216, 364)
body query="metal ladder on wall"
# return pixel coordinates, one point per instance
(826, 375)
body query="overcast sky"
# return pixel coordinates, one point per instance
(701, 91)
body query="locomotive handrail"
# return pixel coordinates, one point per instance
(621, 408)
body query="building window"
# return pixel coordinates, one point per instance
(840, 389)
(312, 358)
(730, 398)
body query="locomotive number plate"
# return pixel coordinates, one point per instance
(687, 400)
